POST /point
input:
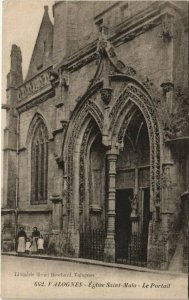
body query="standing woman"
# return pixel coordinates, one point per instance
(21, 240)
(35, 236)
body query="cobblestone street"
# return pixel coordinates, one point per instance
(42, 278)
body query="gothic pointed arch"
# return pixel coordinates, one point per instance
(37, 118)
(38, 159)
(87, 113)
(79, 127)
(84, 110)
(91, 175)
(134, 96)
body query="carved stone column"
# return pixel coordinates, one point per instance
(185, 228)
(56, 213)
(166, 205)
(109, 250)
(163, 229)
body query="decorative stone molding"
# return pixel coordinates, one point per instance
(59, 104)
(22, 149)
(148, 83)
(56, 198)
(95, 208)
(5, 106)
(64, 123)
(89, 54)
(65, 80)
(53, 78)
(124, 125)
(56, 131)
(82, 62)
(166, 33)
(144, 21)
(87, 108)
(34, 85)
(35, 210)
(145, 103)
(6, 210)
(167, 86)
(36, 99)
(176, 124)
(83, 149)
(82, 114)
(106, 46)
(106, 95)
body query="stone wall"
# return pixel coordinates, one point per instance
(158, 54)
(8, 230)
(41, 219)
(47, 111)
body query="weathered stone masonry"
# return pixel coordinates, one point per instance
(109, 86)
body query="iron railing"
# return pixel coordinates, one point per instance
(92, 244)
(134, 251)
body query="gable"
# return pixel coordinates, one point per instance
(42, 53)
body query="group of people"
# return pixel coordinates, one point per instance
(34, 244)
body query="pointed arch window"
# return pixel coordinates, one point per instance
(39, 165)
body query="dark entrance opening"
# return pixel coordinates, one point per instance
(123, 224)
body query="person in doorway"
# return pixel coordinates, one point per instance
(21, 240)
(35, 236)
(40, 244)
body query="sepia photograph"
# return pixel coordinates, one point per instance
(95, 150)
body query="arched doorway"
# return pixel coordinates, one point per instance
(92, 183)
(113, 125)
(133, 193)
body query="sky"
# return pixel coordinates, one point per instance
(21, 22)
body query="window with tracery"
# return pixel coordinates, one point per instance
(39, 165)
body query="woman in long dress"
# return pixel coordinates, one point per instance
(35, 236)
(21, 240)
(40, 244)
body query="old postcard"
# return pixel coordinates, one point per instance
(95, 198)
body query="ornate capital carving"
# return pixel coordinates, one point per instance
(53, 77)
(106, 95)
(95, 208)
(56, 198)
(59, 160)
(167, 86)
(112, 153)
(148, 83)
(176, 124)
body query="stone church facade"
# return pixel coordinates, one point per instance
(96, 150)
